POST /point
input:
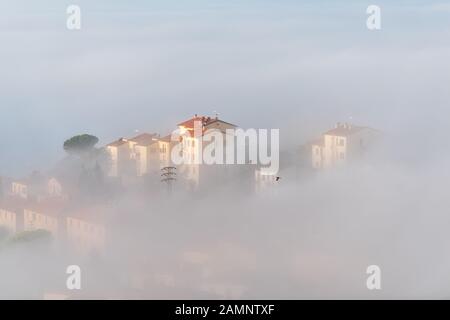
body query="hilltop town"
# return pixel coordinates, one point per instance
(72, 203)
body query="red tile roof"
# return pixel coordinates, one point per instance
(145, 139)
(167, 138)
(204, 120)
(117, 143)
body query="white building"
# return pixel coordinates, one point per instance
(192, 147)
(139, 155)
(344, 143)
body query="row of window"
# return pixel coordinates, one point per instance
(6, 215)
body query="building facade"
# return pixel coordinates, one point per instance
(342, 144)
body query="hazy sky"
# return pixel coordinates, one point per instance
(146, 65)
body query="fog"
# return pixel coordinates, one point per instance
(297, 67)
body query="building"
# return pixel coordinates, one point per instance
(85, 230)
(151, 153)
(121, 161)
(137, 156)
(193, 147)
(54, 188)
(342, 144)
(36, 187)
(11, 217)
(20, 189)
(146, 154)
(44, 215)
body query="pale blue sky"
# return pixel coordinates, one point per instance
(295, 65)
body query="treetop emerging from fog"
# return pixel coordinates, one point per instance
(80, 144)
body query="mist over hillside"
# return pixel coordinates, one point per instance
(297, 67)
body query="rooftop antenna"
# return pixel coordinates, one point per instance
(216, 114)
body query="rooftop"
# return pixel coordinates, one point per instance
(206, 121)
(145, 139)
(344, 130)
(117, 143)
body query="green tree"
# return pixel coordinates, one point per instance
(38, 235)
(80, 144)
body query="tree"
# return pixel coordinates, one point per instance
(80, 144)
(38, 235)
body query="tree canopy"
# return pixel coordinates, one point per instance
(80, 144)
(31, 236)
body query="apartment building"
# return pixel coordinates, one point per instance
(85, 229)
(344, 143)
(44, 215)
(192, 148)
(143, 154)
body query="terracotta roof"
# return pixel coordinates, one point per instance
(204, 120)
(219, 121)
(145, 139)
(167, 138)
(117, 143)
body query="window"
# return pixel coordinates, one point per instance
(341, 155)
(341, 141)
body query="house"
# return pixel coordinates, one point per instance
(140, 155)
(54, 188)
(8, 219)
(192, 147)
(342, 144)
(36, 187)
(20, 189)
(11, 217)
(85, 229)
(151, 153)
(120, 157)
(44, 215)
(30, 187)
(148, 153)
